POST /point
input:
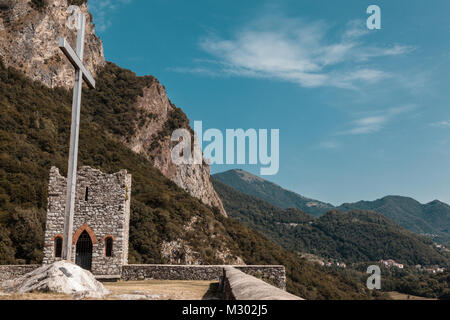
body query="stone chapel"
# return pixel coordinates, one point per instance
(101, 220)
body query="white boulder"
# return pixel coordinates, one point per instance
(59, 277)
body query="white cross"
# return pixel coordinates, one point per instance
(80, 73)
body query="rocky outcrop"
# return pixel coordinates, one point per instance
(59, 277)
(180, 252)
(29, 41)
(153, 141)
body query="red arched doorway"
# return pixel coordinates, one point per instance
(83, 256)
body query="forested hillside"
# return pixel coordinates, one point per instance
(432, 219)
(352, 237)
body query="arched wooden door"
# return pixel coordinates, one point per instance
(84, 251)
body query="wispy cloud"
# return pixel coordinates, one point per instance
(102, 9)
(329, 145)
(441, 124)
(296, 51)
(374, 123)
(367, 125)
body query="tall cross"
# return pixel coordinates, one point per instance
(76, 58)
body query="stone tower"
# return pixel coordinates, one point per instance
(101, 220)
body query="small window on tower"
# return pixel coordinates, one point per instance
(108, 246)
(58, 247)
(86, 195)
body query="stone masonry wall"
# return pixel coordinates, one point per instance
(274, 275)
(8, 272)
(106, 213)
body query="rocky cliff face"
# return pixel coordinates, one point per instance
(29, 37)
(153, 141)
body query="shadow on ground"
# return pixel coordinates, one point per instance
(213, 292)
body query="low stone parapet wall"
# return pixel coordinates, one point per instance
(170, 272)
(237, 285)
(275, 275)
(8, 272)
(272, 274)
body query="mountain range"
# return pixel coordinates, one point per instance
(352, 237)
(250, 184)
(431, 219)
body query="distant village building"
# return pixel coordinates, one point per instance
(433, 269)
(101, 220)
(391, 263)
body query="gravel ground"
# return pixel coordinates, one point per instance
(139, 290)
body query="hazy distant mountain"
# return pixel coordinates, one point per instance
(432, 219)
(356, 236)
(247, 183)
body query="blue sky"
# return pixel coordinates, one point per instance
(362, 113)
